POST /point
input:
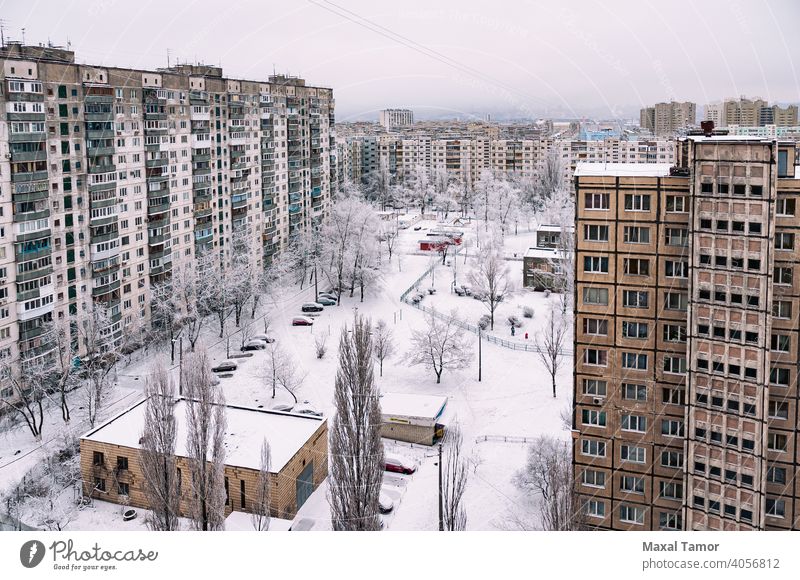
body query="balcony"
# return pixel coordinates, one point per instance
(28, 176)
(295, 208)
(202, 213)
(106, 288)
(316, 192)
(152, 163)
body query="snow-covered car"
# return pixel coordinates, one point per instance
(417, 228)
(399, 464)
(325, 301)
(305, 408)
(331, 295)
(302, 321)
(254, 344)
(385, 503)
(312, 307)
(264, 337)
(225, 366)
(285, 407)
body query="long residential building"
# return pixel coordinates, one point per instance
(465, 158)
(687, 330)
(668, 118)
(111, 178)
(750, 113)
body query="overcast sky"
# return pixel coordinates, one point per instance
(451, 58)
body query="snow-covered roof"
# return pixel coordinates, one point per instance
(729, 138)
(419, 406)
(286, 433)
(549, 228)
(548, 253)
(243, 522)
(622, 169)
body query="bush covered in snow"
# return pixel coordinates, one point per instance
(483, 321)
(514, 321)
(527, 312)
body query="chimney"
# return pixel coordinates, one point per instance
(707, 127)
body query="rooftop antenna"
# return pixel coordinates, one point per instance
(167, 58)
(2, 32)
(23, 36)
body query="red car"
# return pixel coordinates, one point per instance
(399, 464)
(302, 321)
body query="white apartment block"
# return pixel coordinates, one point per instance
(392, 118)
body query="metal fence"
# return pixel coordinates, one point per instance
(505, 439)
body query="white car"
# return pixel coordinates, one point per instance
(385, 503)
(254, 344)
(264, 337)
(305, 408)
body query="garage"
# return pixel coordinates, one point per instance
(413, 418)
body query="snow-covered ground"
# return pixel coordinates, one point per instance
(513, 399)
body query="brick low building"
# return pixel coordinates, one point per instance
(111, 470)
(413, 418)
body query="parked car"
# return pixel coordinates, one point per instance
(312, 307)
(285, 407)
(254, 344)
(305, 408)
(302, 321)
(417, 228)
(264, 337)
(459, 291)
(385, 503)
(399, 464)
(325, 301)
(225, 366)
(331, 295)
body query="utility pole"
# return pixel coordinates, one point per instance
(441, 501)
(480, 360)
(180, 367)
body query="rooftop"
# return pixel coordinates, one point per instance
(421, 406)
(549, 253)
(622, 169)
(247, 427)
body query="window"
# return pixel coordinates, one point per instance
(636, 423)
(595, 326)
(595, 233)
(676, 269)
(123, 488)
(782, 309)
(242, 494)
(631, 514)
(673, 459)
(633, 392)
(782, 275)
(595, 387)
(593, 418)
(677, 204)
(636, 267)
(677, 237)
(784, 241)
(595, 264)
(670, 520)
(707, 187)
(99, 484)
(595, 508)
(595, 296)
(227, 494)
(674, 333)
(675, 365)
(593, 478)
(775, 508)
(776, 441)
(637, 202)
(778, 410)
(631, 484)
(673, 396)
(596, 357)
(634, 329)
(596, 201)
(633, 360)
(785, 207)
(776, 475)
(670, 490)
(98, 458)
(781, 342)
(636, 235)
(632, 454)
(122, 463)
(676, 301)
(593, 447)
(634, 298)
(779, 376)
(672, 428)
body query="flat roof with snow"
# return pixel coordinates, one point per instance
(243, 522)
(416, 406)
(286, 433)
(622, 169)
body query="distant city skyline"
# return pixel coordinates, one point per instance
(452, 60)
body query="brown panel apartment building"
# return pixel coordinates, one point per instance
(686, 335)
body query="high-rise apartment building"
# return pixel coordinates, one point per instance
(111, 178)
(687, 322)
(668, 118)
(745, 112)
(394, 118)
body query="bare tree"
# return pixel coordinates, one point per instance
(550, 341)
(240, 276)
(319, 346)
(205, 445)
(280, 370)
(454, 480)
(261, 505)
(27, 379)
(356, 464)
(64, 373)
(442, 345)
(489, 277)
(388, 234)
(382, 343)
(548, 473)
(157, 452)
(102, 353)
